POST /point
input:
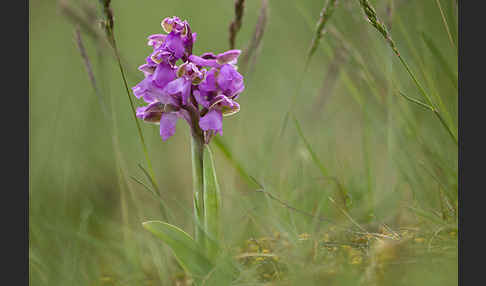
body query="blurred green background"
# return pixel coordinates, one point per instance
(396, 163)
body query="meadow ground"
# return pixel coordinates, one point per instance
(330, 174)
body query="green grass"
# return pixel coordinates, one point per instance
(360, 187)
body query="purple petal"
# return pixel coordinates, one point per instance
(182, 113)
(201, 97)
(226, 105)
(174, 44)
(140, 113)
(228, 57)
(140, 88)
(231, 109)
(147, 69)
(208, 56)
(191, 72)
(161, 55)
(144, 89)
(168, 122)
(175, 24)
(204, 62)
(179, 86)
(230, 81)
(186, 92)
(163, 74)
(175, 86)
(213, 120)
(189, 40)
(150, 61)
(151, 113)
(156, 40)
(167, 24)
(209, 83)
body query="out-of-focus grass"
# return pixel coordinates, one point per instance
(393, 158)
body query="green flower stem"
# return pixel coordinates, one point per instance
(197, 149)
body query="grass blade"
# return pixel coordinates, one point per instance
(446, 25)
(440, 58)
(163, 207)
(375, 22)
(324, 17)
(143, 185)
(156, 191)
(435, 111)
(151, 180)
(218, 142)
(342, 192)
(108, 24)
(309, 148)
(186, 250)
(416, 101)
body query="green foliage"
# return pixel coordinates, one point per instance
(212, 204)
(361, 120)
(189, 254)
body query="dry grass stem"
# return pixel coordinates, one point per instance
(249, 56)
(324, 17)
(235, 25)
(89, 68)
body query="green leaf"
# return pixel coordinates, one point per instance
(186, 250)
(212, 203)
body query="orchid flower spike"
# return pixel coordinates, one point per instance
(177, 84)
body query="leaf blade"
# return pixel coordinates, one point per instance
(212, 203)
(185, 249)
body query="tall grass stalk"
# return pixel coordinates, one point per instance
(119, 161)
(123, 183)
(235, 25)
(446, 25)
(89, 69)
(324, 17)
(374, 21)
(248, 58)
(330, 79)
(109, 24)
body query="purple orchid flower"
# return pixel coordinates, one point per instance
(201, 90)
(220, 106)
